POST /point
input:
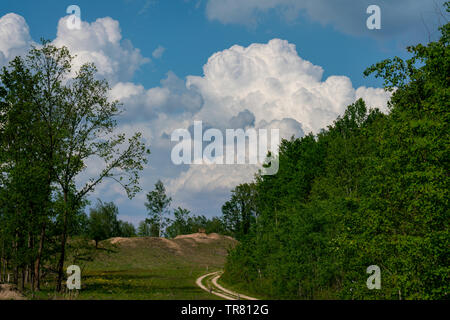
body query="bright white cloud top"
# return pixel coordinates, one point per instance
(101, 42)
(264, 85)
(15, 37)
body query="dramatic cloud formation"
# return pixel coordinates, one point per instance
(15, 37)
(349, 16)
(262, 86)
(272, 82)
(265, 86)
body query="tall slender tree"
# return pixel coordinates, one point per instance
(158, 205)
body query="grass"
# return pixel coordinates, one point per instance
(242, 289)
(148, 269)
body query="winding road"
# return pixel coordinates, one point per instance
(213, 287)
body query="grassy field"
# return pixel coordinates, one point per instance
(151, 268)
(241, 288)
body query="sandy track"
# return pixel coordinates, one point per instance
(218, 290)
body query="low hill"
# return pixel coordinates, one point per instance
(153, 268)
(209, 250)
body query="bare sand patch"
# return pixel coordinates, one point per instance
(181, 244)
(146, 242)
(203, 237)
(10, 292)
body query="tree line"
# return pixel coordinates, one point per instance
(370, 189)
(182, 221)
(54, 120)
(103, 223)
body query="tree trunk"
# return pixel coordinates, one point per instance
(160, 225)
(16, 275)
(37, 264)
(28, 266)
(26, 273)
(63, 245)
(32, 280)
(5, 269)
(15, 258)
(22, 285)
(2, 261)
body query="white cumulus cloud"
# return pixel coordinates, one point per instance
(272, 82)
(266, 86)
(101, 42)
(15, 37)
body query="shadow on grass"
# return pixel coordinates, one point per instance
(137, 282)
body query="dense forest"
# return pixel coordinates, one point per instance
(371, 189)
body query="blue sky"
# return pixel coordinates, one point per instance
(329, 34)
(190, 37)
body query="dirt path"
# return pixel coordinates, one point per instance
(213, 287)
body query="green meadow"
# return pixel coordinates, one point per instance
(148, 269)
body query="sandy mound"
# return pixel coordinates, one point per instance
(203, 237)
(120, 240)
(193, 236)
(178, 244)
(145, 242)
(9, 292)
(196, 238)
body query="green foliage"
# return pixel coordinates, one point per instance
(239, 212)
(180, 225)
(126, 229)
(53, 120)
(104, 224)
(371, 189)
(185, 223)
(144, 229)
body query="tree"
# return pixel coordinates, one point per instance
(144, 229)
(240, 211)
(410, 182)
(216, 225)
(186, 223)
(103, 223)
(181, 223)
(63, 121)
(126, 229)
(26, 168)
(157, 205)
